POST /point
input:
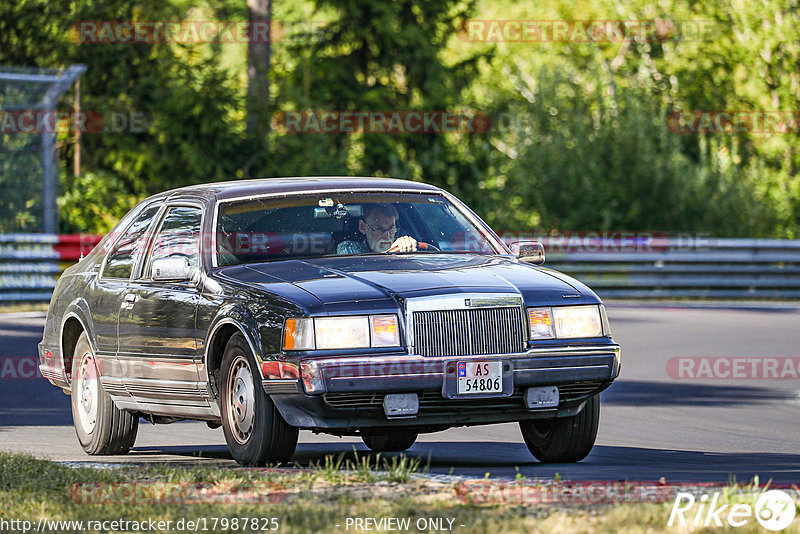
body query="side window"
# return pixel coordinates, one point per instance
(119, 262)
(179, 236)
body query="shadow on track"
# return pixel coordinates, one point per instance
(647, 393)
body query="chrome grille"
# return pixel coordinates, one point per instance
(471, 331)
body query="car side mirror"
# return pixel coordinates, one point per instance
(528, 251)
(172, 269)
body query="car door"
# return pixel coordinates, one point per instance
(158, 345)
(106, 293)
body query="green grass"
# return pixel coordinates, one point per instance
(365, 468)
(309, 499)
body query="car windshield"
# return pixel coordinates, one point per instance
(331, 224)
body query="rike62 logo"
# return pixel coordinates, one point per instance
(774, 510)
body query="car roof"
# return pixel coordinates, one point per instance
(296, 184)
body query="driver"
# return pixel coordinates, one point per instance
(378, 224)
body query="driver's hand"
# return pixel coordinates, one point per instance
(403, 244)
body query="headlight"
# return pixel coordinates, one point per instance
(565, 322)
(342, 332)
(577, 321)
(350, 332)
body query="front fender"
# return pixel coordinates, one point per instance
(235, 314)
(259, 317)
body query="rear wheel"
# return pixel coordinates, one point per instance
(563, 439)
(102, 428)
(394, 442)
(254, 429)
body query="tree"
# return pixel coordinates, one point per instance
(184, 98)
(258, 61)
(382, 56)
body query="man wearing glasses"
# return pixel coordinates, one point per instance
(379, 226)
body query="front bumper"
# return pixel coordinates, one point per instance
(354, 388)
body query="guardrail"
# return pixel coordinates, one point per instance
(30, 264)
(663, 267)
(643, 267)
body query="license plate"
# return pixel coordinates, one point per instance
(480, 377)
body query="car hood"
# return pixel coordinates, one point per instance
(335, 280)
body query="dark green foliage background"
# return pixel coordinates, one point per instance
(579, 137)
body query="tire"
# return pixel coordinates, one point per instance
(563, 439)
(254, 429)
(102, 428)
(395, 442)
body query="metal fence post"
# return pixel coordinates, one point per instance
(25, 86)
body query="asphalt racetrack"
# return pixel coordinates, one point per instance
(652, 425)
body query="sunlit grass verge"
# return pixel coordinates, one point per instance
(325, 497)
(365, 468)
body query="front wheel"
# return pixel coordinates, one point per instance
(394, 442)
(563, 439)
(102, 428)
(254, 429)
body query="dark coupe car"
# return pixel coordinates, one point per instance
(352, 306)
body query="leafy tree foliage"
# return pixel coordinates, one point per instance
(380, 56)
(181, 91)
(579, 136)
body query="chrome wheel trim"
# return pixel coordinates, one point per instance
(88, 393)
(241, 400)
